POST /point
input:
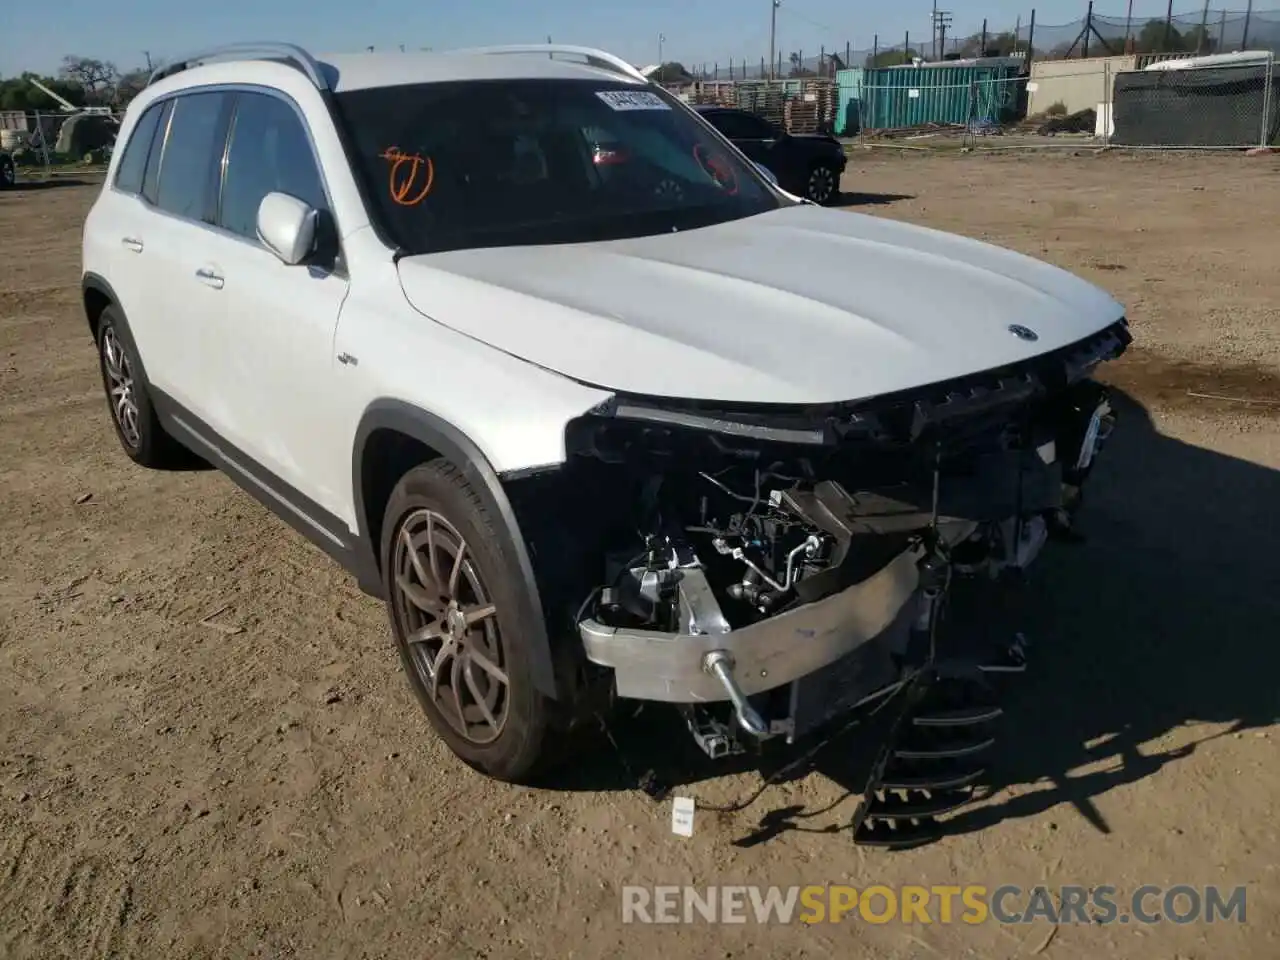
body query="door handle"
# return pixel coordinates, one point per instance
(131, 243)
(210, 277)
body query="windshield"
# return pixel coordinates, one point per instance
(506, 162)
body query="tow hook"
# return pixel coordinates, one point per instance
(719, 664)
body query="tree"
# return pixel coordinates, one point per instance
(1151, 39)
(798, 69)
(129, 85)
(672, 72)
(97, 78)
(890, 58)
(1199, 40)
(998, 45)
(19, 93)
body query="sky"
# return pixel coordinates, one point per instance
(695, 31)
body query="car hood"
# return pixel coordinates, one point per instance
(799, 305)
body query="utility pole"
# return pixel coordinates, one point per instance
(661, 41)
(147, 54)
(941, 20)
(773, 34)
(934, 20)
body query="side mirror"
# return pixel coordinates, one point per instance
(767, 173)
(288, 227)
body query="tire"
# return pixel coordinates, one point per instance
(823, 184)
(129, 404)
(8, 172)
(509, 737)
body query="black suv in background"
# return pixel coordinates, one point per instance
(808, 165)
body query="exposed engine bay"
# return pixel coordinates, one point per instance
(766, 572)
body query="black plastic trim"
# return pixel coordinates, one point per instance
(900, 416)
(458, 449)
(97, 283)
(313, 521)
(342, 130)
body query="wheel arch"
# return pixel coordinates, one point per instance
(392, 437)
(96, 294)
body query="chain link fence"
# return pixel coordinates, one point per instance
(47, 145)
(1104, 102)
(1203, 30)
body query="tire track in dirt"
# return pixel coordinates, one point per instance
(76, 906)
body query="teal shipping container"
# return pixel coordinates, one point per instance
(967, 92)
(848, 101)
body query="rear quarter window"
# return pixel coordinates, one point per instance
(133, 163)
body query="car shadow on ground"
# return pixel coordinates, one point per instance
(1164, 616)
(848, 198)
(28, 186)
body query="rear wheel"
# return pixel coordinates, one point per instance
(132, 414)
(8, 173)
(823, 184)
(453, 613)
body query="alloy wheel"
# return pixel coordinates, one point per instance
(121, 388)
(451, 626)
(8, 174)
(822, 184)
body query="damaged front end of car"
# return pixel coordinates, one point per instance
(770, 571)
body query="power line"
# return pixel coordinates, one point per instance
(809, 20)
(941, 20)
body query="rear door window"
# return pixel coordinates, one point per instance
(192, 155)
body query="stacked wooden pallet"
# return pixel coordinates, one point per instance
(797, 106)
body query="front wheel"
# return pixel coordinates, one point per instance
(454, 615)
(823, 184)
(8, 173)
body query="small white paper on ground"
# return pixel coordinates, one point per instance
(682, 816)
(632, 100)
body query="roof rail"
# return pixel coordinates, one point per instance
(596, 58)
(290, 53)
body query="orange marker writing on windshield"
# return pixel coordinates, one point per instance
(405, 174)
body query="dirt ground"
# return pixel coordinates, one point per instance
(206, 748)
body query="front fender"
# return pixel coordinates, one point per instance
(456, 447)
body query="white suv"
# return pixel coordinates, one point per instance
(635, 422)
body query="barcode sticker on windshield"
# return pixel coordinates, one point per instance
(632, 100)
